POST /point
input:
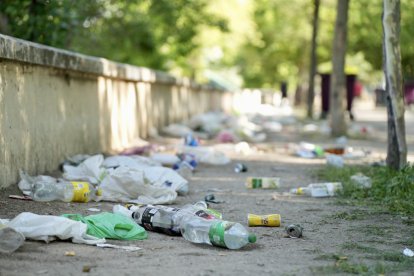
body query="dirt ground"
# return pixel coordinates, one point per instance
(334, 235)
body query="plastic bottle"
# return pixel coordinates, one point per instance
(10, 239)
(155, 218)
(65, 191)
(161, 218)
(319, 189)
(263, 182)
(216, 232)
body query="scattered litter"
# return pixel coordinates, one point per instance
(294, 230)
(70, 253)
(306, 150)
(177, 130)
(240, 168)
(190, 140)
(272, 220)
(263, 182)
(408, 252)
(23, 197)
(94, 209)
(226, 136)
(362, 181)
(130, 248)
(334, 150)
(210, 198)
(165, 158)
(243, 148)
(334, 160)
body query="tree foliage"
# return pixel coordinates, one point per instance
(265, 41)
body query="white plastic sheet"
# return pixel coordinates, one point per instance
(49, 228)
(90, 170)
(129, 185)
(206, 155)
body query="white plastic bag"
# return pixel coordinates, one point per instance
(177, 130)
(90, 170)
(206, 155)
(166, 178)
(26, 183)
(49, 228)
(128, 185)
(165, 158)
(131, 161)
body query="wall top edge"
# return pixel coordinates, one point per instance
(20, 50)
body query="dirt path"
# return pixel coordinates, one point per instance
(337, 238)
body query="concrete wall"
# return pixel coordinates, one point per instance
(56, 103)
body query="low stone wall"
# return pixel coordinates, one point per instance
(56, 103)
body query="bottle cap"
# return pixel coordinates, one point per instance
(252, 238)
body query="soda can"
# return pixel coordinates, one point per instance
(263, 182)
(272, 220)
(240, 168)
(294, 230)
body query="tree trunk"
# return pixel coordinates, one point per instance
(313, 60)
(337, 86)
(397, 147)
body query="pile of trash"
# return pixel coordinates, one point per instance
(335, 154)
(220, 127)
(195, 222)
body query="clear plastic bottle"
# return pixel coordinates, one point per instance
(65, 191)
(216, 232)
(319, 189)
(10, 239)
(161, 218)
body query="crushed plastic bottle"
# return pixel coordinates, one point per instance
(215, 232)
(68, 191)
(10, 239)
(319, 189)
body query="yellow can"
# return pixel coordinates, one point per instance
(272, 220)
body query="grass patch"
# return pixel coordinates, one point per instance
(391, 189)
(359, 247)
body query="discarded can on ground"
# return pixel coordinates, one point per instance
(263, 182)
(272, 220)
(240, 168)
(294, 230)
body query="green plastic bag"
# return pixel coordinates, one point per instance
(111, 226)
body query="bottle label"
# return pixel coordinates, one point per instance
(81, 191)
(272, 220)
(216, 232)
(265, 183)
(146, 221)
(204, 214)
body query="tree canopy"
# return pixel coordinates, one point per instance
(260, 42)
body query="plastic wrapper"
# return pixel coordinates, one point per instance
(90, 170)
(50, 228)
(128, 185)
